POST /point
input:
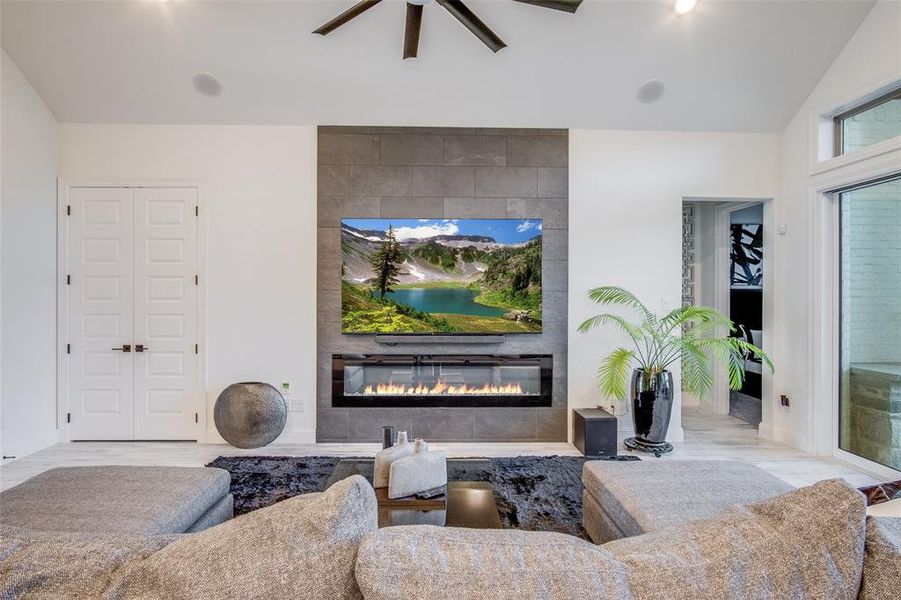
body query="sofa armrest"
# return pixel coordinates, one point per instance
(303, 547)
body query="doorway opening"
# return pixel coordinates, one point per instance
(724, 267)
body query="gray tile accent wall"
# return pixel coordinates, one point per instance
(423, 172)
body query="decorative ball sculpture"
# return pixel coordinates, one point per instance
(250, 414)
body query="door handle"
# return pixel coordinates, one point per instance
(124, 348)
(140, 348)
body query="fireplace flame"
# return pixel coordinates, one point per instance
(442, 388)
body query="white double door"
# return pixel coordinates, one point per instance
(132, 322)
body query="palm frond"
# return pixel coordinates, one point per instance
(694, 315)
(726, 351)
(699, 329)
(746, 349)
(610, 294)
(614, 372)
(633, 331)
(696, 375)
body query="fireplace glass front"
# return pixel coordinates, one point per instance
(429, 380)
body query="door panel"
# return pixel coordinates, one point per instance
(870, 320)
(167, 394)
(101, 380)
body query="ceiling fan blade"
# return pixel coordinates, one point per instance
(564, 5)
(354, 11)
(411, 32)
(462, 13)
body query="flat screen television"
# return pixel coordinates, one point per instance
(440, 276)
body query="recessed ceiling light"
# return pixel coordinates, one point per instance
(207, 85)
(685, 6)
(650, 91)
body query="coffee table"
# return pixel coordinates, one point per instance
(466, 504)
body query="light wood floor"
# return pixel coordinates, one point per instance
(706, 437)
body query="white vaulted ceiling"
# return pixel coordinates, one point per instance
(728, 66)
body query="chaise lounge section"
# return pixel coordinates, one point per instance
(120, 500)
(625, 499)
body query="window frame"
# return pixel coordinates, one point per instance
(840, 329)
(839, 119)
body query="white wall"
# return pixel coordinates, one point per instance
(626, 192)
(870, 61)
(261, 208)
(28, 267)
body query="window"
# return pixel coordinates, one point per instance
(870, 321)
(868, 124)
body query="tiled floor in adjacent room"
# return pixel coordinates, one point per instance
(706, 437)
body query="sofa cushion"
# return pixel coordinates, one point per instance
(303, 547)
(424, 561)
(805, 544)
(642, 497)
(882, 560)
(114, 499)
(46, 564)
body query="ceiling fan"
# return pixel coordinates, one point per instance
(455, 7)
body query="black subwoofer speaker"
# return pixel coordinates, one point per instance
(594, 432)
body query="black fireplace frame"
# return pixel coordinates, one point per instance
(544, 361)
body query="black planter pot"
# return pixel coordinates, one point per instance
(652, 405)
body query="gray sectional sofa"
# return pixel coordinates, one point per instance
(815, 542)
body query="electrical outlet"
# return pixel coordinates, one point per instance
(784, 400)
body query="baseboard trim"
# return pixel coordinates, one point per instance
(288, 436)
(784, 436)
(37, 445)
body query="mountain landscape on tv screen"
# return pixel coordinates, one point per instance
(441, 276)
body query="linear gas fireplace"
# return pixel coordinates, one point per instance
(405, 380)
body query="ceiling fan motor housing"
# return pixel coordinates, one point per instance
(456, 8)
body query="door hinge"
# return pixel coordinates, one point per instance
(196, 418)
(68, 417)
(197, 280)
(196, 211)
(196, 349)
(68, 280)
(68, 348)
(68, 209)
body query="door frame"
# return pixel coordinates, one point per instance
(722, 287)
(720, 391)
(63, 186)
(822, 419)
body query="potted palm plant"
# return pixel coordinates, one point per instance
(692, 335)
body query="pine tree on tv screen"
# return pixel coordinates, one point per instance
(441, 276)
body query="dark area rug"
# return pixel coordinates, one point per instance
(535, 493)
